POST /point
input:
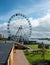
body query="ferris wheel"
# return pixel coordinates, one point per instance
(19, 27)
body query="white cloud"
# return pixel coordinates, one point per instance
(28, 10)
(14, 26)
(34, 22)
(44, 21)
(41, 26)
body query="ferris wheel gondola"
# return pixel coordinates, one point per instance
(19, 27)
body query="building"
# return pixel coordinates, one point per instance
(0, 35)
(6, 53)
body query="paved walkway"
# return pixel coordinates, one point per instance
(19, 58)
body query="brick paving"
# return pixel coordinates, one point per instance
(19, 58)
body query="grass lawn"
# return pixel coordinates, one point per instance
(34, 56)
(33, 46)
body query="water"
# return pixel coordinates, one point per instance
(44, 41)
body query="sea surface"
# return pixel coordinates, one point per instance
(43, 41)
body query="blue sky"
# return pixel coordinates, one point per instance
(9, 5)
(38, 11)
(33, 8)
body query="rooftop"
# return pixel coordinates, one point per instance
(5, 49)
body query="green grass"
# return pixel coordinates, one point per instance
(33, 56)
(47, 56)
(33, 46)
